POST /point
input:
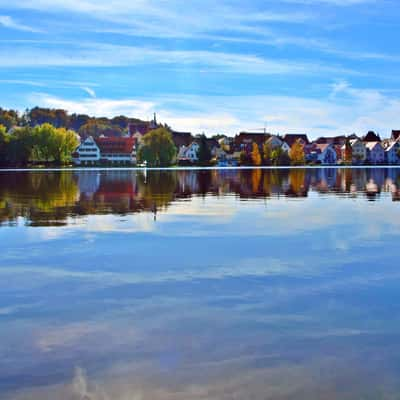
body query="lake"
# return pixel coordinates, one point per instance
(200, 284)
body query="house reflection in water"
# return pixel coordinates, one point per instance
(51, 198)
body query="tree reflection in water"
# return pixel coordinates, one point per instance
(50, 197)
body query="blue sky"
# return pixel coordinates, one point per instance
(315, 66)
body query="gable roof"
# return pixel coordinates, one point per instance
(181, 138)
(371, 137)
(120, 145)
(334, 139)
(258, 137)
(395, 134)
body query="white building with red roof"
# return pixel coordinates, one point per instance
(120, 150)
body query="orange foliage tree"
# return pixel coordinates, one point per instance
(255, 155)
(297, 156)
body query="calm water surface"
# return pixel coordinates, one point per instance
(216, 284)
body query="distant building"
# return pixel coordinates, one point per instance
(321, 153)
(87, 152)
(375, 153)
(358, 151)
(106, 149)
(335, 140)
(245, 140)
(226, 143)
(326, 154)
(274, 142)
(181, 138)
(189, 153)
(142, 127)
(114, 149)
(392, 152)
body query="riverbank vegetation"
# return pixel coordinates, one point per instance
(42, 144)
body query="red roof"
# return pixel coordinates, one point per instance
(120, 145)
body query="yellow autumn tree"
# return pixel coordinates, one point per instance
(296, 155)
(255, 155)
(255, 180)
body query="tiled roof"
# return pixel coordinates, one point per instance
(181, 138)
(120, 145)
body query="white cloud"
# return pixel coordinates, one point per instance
(89, 91)
(8, 22)
(344, 110)
(107, 55)
(241, 22)
(96, 106)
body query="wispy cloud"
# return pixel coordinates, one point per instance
(95, 106)
(108, 55)
(89, 91)
(344, 109)
(8, 22)
(22, 82)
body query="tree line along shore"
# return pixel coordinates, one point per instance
(42, 136)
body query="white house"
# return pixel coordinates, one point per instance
(189, 153)
(274, 142)
(358, 151)
(375, 153)
(87, 152)
(106, 149)
(285, 147)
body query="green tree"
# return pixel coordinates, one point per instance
(19, 148)
(245, 158)
(4, 141)
(279, 157)
(65, 142)
(267, 152)
(204, 153)
(157, 148)
(44, 143)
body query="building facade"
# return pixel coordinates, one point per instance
(88, 152)
(121, 150)
(375, 153)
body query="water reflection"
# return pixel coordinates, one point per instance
(250, 284)
(45, 199)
